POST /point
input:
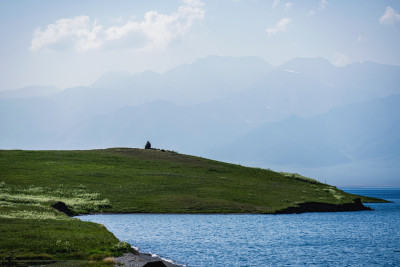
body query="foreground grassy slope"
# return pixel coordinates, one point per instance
(128, 180)
(34, 240)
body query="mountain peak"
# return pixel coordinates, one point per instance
(111, 78)
(224, 63)
(299, 63)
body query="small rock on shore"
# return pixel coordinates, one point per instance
(139, 260)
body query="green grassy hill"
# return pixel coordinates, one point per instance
(130, 181)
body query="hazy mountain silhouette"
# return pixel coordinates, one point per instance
(368, 130)
(169, 125)
(354, 82)
(204, 80)
(29, 91)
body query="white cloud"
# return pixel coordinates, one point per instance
(79, 30)
(390, 16)
(310, 13)
(361, 39)
(275, 3)
(280, 26)
(158, 30)
(323, 4)
(340, 59)
(288, 6)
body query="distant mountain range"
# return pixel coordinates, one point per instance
(29, 91)
(368, 130)
(306, 113)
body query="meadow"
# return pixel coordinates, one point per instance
(124, 180)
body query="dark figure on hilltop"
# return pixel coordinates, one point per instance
(148, 145)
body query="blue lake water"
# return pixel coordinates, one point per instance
(364, 238)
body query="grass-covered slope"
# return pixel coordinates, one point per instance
(136, 180)
(30, 239)
(129, 180)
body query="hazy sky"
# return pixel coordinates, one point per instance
(68, 43)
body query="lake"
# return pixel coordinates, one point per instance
(363, 238)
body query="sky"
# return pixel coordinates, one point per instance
(71, 43)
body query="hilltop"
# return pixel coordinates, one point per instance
(37, 188)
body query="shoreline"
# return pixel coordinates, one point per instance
(305, 207)
(139, 259)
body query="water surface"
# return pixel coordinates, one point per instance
(364, 238)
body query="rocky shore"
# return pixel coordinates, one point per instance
(139, 259)
(357, 205)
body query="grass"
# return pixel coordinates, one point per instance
(123, 180)
(30, 239)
